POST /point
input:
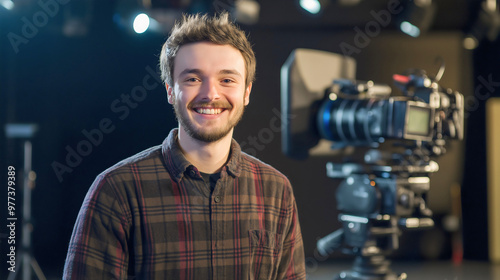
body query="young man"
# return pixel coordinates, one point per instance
(196, 207)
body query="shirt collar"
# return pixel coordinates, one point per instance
(177, 164)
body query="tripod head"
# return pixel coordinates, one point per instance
(376, 202)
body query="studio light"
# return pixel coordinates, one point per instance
(417, 17)
(486, 26)
(246, 11)
(470, 42)
(141, 23)
(410, 29)
(7, 4)
(312, 6)
(153, 16)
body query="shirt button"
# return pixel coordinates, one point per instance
(192, 173)
(217, 199)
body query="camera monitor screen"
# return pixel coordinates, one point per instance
(418, 121)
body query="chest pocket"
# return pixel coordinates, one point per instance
(265, 253)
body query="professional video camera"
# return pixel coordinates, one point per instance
(386, 190)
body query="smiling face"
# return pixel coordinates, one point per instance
(208, 92)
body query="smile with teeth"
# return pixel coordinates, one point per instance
(208, 111)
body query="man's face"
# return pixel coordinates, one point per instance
(209, 92)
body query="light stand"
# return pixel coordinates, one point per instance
(26, 260)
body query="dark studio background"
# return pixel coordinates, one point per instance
(68, 84)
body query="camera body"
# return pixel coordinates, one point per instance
(363, 113)
(355, 113)
(349, 116)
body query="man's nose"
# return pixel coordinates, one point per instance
(209, 90)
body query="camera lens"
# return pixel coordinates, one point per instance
(353, 121)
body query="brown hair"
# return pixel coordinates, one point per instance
(202, 28)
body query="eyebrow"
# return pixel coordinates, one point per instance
(190, 71)
(200, 72)
(230, 72)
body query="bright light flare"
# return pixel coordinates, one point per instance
(410, 29)
(470, 42)
(312, 6)
(7, 4)
(141, 23)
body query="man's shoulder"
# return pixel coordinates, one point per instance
(252, 164)
(275, 185)
(123, 180)
(145, 160)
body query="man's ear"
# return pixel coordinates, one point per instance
(246, 99)
(170, 94)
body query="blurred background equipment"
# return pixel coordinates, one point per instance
(485, 26)
(493, 138)
(417, 17)
(26, 262)
(385, 192)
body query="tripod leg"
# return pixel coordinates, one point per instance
(26, 266)
(37, 269)
(12, 275)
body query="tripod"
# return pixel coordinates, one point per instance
(26, 260)
(376, 202)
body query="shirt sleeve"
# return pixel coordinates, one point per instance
(98, 246)
(292, 265)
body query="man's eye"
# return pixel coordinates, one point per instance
(191, 80)
(227, 81)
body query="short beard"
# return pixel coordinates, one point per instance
(206, 136)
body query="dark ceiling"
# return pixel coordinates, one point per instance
(450, 14)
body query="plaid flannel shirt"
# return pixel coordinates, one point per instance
(152, 216)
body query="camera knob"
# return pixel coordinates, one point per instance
(404, 200)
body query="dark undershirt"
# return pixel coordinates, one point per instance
(210, 180)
